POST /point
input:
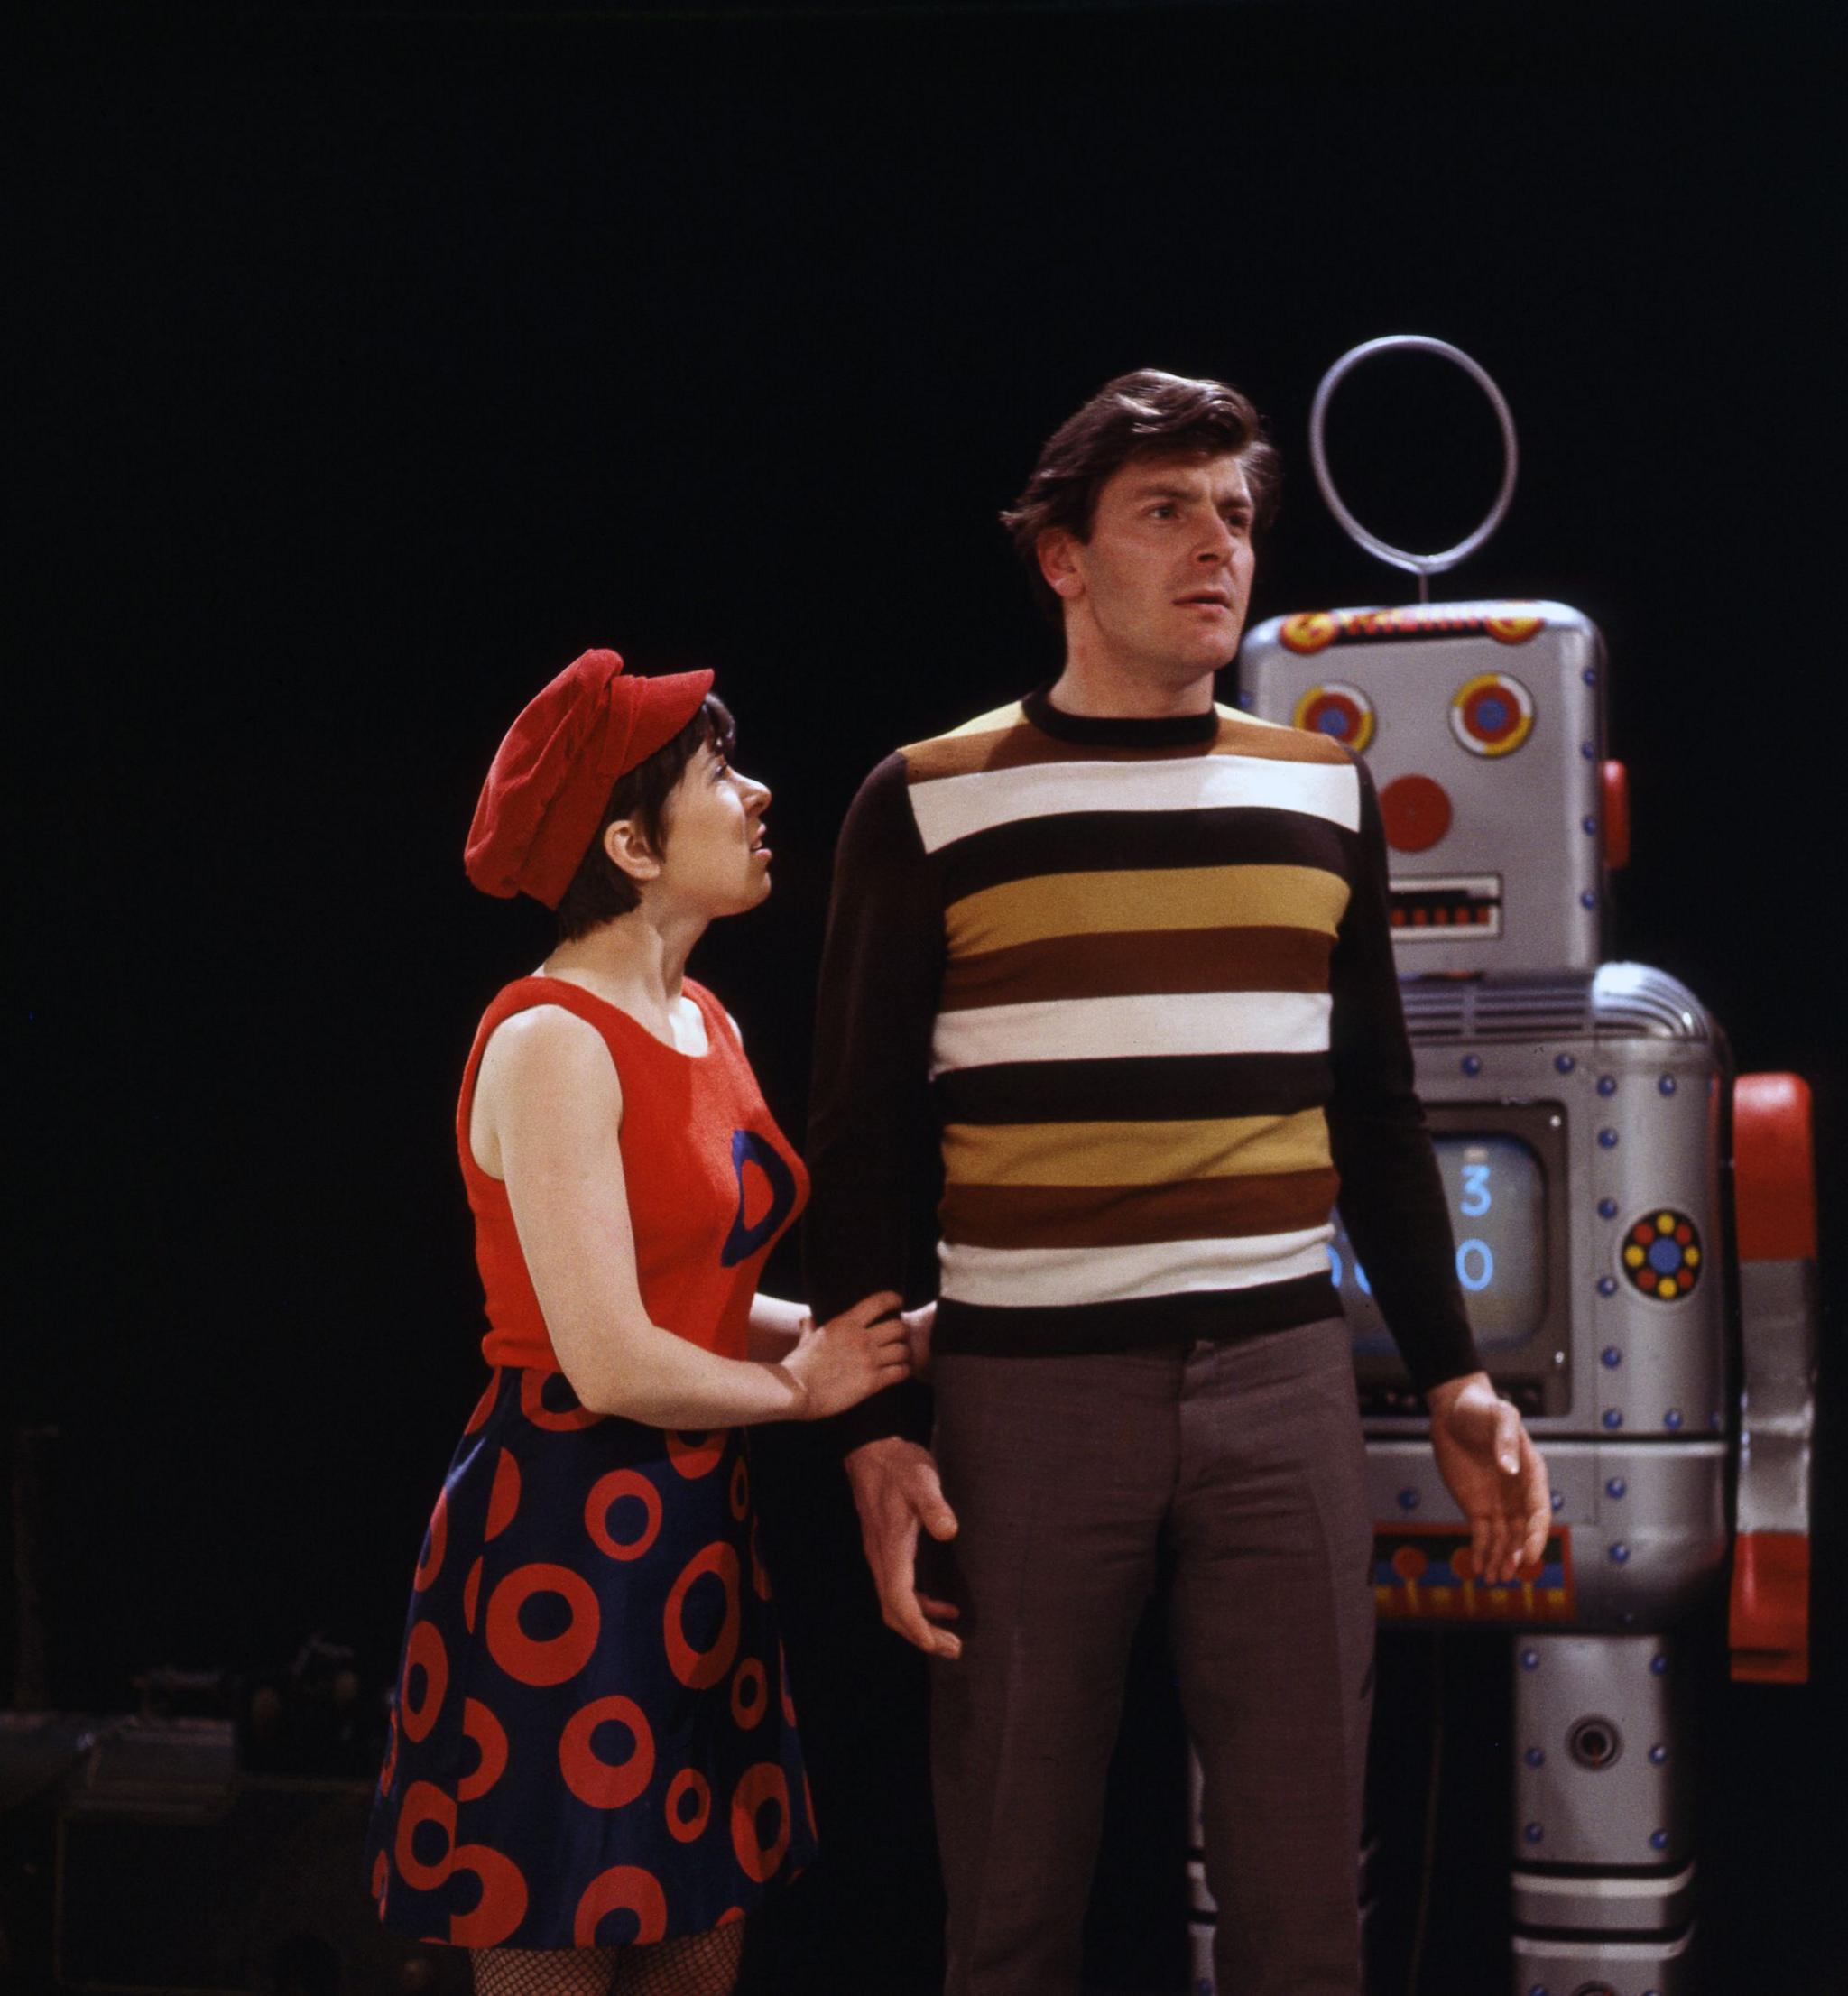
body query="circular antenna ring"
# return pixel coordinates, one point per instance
(1423, 565)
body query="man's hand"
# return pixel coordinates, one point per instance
(1491, 1466)
(896, 1488)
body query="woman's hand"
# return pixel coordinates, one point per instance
(919, 1325)
(837, 1365)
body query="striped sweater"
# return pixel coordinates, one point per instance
(1124, 992)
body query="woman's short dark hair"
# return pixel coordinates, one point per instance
(1143, 415)
(600, 889)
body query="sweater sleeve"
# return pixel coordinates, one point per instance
(1392, 1200)
(872, 1147)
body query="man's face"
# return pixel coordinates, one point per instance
(1161, 586)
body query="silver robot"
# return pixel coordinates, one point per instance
(1635, 1228)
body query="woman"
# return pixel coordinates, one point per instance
(593, 1771)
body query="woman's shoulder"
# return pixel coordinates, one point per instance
(545, 1027)
(534, 1053)
(537, 1004)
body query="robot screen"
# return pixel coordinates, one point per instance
(1497, 1189)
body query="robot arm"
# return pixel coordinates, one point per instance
(1774, 1203)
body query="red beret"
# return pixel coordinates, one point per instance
(545, 795)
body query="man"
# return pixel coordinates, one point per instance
(1125, 955)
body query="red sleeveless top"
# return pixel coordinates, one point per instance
(712, 1182)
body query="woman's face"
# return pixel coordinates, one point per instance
(713, 855)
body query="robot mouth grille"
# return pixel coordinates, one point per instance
(1437, 911)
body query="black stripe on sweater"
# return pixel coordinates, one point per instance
(1099, 842)
(1068, 1330)
(1138, 1089)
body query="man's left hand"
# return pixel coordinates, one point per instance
(1491, 1466)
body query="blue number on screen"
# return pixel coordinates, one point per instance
(1476, 1199)
(1475, 1265)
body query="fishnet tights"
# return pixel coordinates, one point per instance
(695, 1965)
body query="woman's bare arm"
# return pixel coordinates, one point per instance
(775, 1327)
(552, 1107)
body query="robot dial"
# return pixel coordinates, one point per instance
(1661, 1254)
(1492, 714)
(1337, 709)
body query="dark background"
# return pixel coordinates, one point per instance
(374, 365)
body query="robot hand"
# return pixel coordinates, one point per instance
(1491, 1466)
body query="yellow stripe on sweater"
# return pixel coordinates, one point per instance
(1133, 1153)
(1164, 897)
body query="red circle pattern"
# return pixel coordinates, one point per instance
(763, 1783)
(689, 1781)
(532, 1405)
(503, 1499)
(698, 1454)
(423, 1651)
(479, 1724)
(423, 1803)
(556, 1659)
(389, 1772)
(750, 1694)
(436, 1542)
(697, 1669)
(606, 1784)
(623, 1887)
(761, 1795)
(605, 1493)
(485, 1406)
(502, 1902)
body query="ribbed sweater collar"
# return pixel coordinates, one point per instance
(1118, 731)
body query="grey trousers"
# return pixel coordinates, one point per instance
(1068, 1476)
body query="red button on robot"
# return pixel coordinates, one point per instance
(1416, 811)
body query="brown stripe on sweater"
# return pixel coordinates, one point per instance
(1140, 899)
(1131, 1216)
(1133, 962)
(1133, 1153)
(1016, 744)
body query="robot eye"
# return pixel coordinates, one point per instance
(1492, 714)
(1338, 710)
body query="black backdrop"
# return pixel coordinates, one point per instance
(374, 366)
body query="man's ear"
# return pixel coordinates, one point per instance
(623, 842)
(1058, 550)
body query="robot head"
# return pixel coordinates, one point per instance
(1484, 726)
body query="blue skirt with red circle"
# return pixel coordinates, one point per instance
(593, 1742)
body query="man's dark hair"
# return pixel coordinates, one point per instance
(600, 889)
(1144, 415)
